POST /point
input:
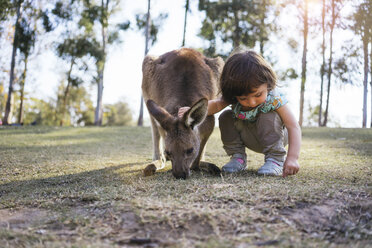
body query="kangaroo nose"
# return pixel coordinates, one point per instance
(181, 175)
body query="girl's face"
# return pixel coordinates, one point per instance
(253, 99)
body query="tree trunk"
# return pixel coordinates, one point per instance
(23, 81)
(365, 80)
(329, 74)
(370, 64)
(8, 107)
(185, 22)
(101, 64)
(148, 20)
(65, 95)
(237, 33)
(303, 74)
(262, 26)
(322, 68)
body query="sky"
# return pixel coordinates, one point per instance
(123, 74)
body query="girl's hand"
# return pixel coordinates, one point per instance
(290, 167)
(182, 111)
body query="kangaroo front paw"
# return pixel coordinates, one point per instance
(149, 170)
(210, 168)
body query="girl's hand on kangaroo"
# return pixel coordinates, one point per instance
(182, 111)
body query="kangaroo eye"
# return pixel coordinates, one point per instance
(189, 151)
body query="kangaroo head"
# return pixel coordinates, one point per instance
(181, 139)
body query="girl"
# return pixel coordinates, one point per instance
(259, 118)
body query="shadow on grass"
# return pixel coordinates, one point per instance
(67, 185)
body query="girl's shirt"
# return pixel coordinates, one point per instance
(274, 100)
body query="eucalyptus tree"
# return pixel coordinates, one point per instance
(117, 114)
(28, 26)
(5, 6)
(7, 115)
(322, 68)
(362, 26)
(151, 27)
(27, 36)
(77, 51)
(335, 8)
(304, 59)
(75, 46)
(237, 22)
(96, 16)
(187, 9)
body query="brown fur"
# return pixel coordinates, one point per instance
(179, 78)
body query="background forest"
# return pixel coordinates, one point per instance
(318, 48)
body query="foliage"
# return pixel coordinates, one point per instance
(5, 6)
(362, 19)
(39, 112)
(154, 25)
(237, 22)
(117, 114)
(79, 107)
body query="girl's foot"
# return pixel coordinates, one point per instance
(237, 163)
(271, 168)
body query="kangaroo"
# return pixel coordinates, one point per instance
(179, 78)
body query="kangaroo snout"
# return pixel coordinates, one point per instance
(181, 174)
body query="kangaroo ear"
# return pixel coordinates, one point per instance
(165, 119)
(196, 114)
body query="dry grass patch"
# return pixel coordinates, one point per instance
(85, 187)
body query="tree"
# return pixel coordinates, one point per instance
(236, 22)
(5, 6)
(151, 33)
(39, 112)
(362, 26)
(8, 106)
(264, 27)
(228, 21)
(147, 30)
(336, 6)
(322, 68)
(100, 13)
(27, 36)
(117, 114)
(370, 64)
(26, 29)
(75, 50)
(304, 61)
(187, 9)
(79, 105)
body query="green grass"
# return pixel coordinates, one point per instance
(84, 187)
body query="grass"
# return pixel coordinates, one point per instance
(84, 187)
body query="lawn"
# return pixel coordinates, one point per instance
(84, 187)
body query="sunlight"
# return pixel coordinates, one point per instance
(315, 6)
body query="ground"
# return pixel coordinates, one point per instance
(84, 187)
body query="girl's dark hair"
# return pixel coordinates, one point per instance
(242, 73)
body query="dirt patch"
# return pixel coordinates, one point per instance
(336, 220)
(21, 218)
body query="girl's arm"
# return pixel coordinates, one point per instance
(291, 165)
(214, 106)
